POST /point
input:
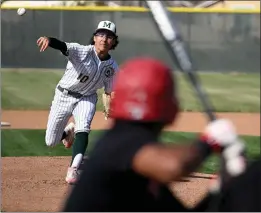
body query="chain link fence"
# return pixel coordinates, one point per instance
(219, 42)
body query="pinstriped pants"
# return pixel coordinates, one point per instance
(62, 108)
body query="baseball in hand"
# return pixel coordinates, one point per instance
(21, 11)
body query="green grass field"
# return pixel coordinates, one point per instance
(31, 143)
(34, 90)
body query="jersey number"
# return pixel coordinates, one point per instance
(83, 78)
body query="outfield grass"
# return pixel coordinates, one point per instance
(30, 90)
(31, 143)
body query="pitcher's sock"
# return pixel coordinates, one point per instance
(79, 148)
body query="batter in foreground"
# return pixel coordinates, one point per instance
(129, 169)
(89, 68)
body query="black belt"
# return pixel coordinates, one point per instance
(71, 93)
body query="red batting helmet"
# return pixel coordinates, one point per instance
(144, 91)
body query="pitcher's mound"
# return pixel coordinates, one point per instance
(38, 184)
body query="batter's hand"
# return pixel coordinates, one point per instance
(43, 43)
(220, 134)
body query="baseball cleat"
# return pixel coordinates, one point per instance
(68, 140)
(72, 175)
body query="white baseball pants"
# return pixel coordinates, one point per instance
(62, 108)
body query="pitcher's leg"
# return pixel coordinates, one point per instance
(83, 116)
(60, 112)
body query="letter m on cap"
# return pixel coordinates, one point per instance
(107, 24)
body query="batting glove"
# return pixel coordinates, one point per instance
(219, 134)
(222, 137)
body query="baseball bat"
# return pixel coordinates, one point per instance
(176, 47)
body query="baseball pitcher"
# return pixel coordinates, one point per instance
(89, 68)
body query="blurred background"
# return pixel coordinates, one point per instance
(223, 38)
(173, 3)
(219, 41)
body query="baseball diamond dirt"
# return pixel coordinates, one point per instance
(37, 183)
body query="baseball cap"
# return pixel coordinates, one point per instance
(107, 25)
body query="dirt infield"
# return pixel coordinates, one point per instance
(246, 123)
(37, 183)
